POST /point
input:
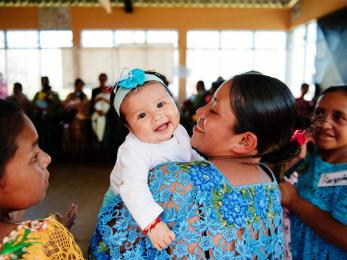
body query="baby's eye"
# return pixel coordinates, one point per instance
(161, 104)
(141, 115)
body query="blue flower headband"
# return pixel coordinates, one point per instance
(133, 79)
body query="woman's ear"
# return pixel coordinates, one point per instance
(246, 144)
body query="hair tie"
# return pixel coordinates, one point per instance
(299, 136)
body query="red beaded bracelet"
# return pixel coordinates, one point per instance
(156, 221)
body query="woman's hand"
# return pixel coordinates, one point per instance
(331, 231)
(69, 218)
(161, 236)
(288, 194)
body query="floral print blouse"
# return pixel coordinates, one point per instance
(210, 217)
(40, 239)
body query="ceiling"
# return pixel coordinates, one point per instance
(153, 3)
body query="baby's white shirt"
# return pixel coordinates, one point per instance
(135, 158)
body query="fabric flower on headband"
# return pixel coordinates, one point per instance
(132, 79)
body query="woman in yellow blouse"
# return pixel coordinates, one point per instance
(23, 183)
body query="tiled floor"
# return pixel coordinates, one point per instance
(84, 184)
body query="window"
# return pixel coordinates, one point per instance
(23, 65)
(212, 54)
(236, 39)
(30, 54)
(270, 40)
(56, 39)
(2, 39)
(203, 39)
(125, 36)
(301, 58)
(97, 38)
(22, 39)
(157, 36)
(128, 48)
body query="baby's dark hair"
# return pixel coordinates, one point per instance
(266, 107)
(115, 88)
(12, 123)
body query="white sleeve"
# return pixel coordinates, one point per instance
(134, 166)
(196, 156)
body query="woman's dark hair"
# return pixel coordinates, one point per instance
(266, 107)
(342, 88)
(18, 86)
(78, 81)
(12, 123)
(162, 77)
(200, 86)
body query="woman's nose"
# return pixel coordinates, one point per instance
(201, 111)
(324, 123)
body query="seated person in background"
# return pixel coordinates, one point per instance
(76, 121)
(19, 99)
(143, 101)
(23, 183)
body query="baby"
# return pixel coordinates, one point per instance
(142, 100)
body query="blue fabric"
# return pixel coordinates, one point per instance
(211, 218)
(305, 243)
(134, 78)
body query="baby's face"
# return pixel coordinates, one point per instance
(151, 113)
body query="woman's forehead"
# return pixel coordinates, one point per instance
(223, 90)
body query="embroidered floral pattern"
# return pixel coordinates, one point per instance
(208, 215)
(13, 246)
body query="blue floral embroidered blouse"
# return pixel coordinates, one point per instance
(305, 244)
(210, 217)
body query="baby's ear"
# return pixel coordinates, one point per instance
(246, 144)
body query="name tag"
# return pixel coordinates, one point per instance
(333, 179)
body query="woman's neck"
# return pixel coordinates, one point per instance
(240, 171)
(248, 160)
(334, 156)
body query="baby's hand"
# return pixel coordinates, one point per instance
(161, 236)
(69, 218)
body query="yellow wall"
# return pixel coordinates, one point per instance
(175, 18)
(18, 18)
(312, 9)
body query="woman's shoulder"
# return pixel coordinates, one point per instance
(182, 166)
(39, 238)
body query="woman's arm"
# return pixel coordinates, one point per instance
(327, 227)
